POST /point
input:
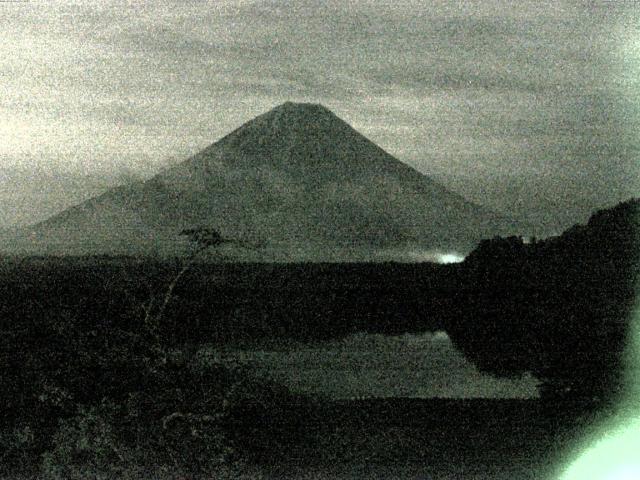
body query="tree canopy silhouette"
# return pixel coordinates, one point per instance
(559, 308)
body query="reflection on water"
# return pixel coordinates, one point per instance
(370, 365)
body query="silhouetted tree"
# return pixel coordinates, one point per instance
(203, 239)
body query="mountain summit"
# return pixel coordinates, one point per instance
(298, 179)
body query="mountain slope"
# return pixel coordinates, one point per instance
(31, 196)
(298, 179)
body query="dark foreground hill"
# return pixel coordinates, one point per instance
(297, 179)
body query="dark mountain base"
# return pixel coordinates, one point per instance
(232, 304)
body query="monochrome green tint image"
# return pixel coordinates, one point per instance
(320, 239)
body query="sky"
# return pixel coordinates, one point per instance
(530, 107)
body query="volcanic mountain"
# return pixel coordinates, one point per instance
(297, 179)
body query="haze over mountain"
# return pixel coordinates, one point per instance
(298, 179)
(31, 196)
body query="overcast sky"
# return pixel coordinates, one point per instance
(529, 105)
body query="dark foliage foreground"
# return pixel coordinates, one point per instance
(96, 400)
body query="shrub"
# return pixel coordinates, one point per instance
(176, 423)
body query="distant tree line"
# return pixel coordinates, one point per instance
(559, 308)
